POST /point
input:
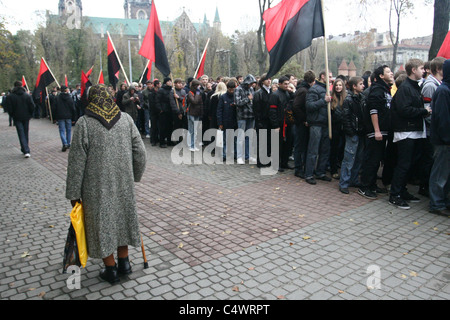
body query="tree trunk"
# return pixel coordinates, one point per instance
(440, 28)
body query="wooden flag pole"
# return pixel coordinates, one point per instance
(51, 73)
(330, 132)
(149, 69)
(49, 105)
(200, 62)
(118, 59)
(100, 73)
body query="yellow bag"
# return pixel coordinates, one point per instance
(77, 218)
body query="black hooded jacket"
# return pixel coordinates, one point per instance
(378, 102)
(65, 107)
(20, 104)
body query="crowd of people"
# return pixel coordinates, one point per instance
(397, 122)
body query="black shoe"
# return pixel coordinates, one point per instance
(163, 145)
(287, 166)
(424, 192)
(311, 181)
(367, 194)
(64, 148)
(409, 197)
(324, 178)
(440, 213)
(381, 190)
(280, 169)
(110, 274)
(344, 190)
(300, 175)
(399, 202)
(124, 267)
(153, 144)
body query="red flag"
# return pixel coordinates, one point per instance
(444, 52)
(201, 69)
(66, 81)
(147, 73)
(44, 79)
(100, 78)
(24, 83)
(290, 27)
(88, 74)
(153, 44)
(113, 64)
(85, 84)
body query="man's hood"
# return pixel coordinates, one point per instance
(249, 80)
(18, 90)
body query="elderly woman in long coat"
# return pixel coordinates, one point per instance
(106, 158)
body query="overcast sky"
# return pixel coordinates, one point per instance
(341, 16)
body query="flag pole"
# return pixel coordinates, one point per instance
(200, 62)
(99, 75)
(118, 59)
(330, 132)
(49, 105)
(51, 73)
(142, 76)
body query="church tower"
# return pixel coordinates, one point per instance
(137, 9)
(217, 24)
(70, 7)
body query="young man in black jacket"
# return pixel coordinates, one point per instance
(21, 107)
(165, 104)
(408, 122)
(377, 121)
(261, 110)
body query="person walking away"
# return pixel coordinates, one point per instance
(21, 106)
(317, 100)
(106, 158)
(354, 135)
(245, 118)
(65, 113)
(377, 120)
(440, 138)
(226, 117)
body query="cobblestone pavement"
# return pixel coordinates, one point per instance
(216, 232)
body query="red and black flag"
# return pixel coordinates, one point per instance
(153, 44)
(290, 27)
(24, 83)
(85, 84)
(44, 79)
(113, 64)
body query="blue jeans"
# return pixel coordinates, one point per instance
(440, 178)
(146, 122)
(318, 148)
(22, 131)
(243, 126)
(65, 131)
(351, 164)
(193, 126)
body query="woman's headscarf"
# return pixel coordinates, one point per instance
(102, 106)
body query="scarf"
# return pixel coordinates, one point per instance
(102, 106)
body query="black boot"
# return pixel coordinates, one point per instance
(124, 266)
(110, 274)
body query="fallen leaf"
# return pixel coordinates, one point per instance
(291, 244)
(413, 274)
(41, 294)
(25, 254)
(404, 277)
(281, 297)
(180, 246)
(235, 288)
(185, 233)
(251, 268)
(306, 237)
(274, 230)
(51, 226)
(152, 233)
(227, 232)
(416, 223)
(340, 291)
(293, 268)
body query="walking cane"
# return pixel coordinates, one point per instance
(143, 253)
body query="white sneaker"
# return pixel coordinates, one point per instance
(27, 155)
(191, 149)
(147, 136)
(240, 161)
(196, 149)
(252, 160)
